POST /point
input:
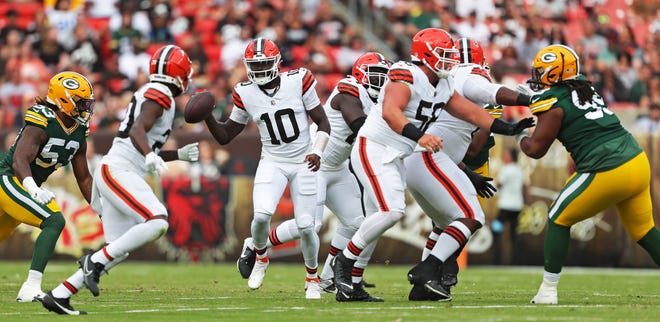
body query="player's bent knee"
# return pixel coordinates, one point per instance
(158, 227)
(55, 221)
(305, 223)
(261, 218)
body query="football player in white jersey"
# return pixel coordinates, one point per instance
(131, 213)
(346, 108)
(281, 105)
(412, 99)
(441, 184)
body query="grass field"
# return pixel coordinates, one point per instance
(139, 291)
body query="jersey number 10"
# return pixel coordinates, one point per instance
(281, 129)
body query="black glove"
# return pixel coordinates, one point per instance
(501, 127)
(484, 188)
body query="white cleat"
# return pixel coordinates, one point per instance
(29, 293)
(547, 293)
(258, 273)
(312, 289)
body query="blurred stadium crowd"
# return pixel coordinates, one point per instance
(111, 41)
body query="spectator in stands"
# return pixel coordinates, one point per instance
(423, 15)
(122, 36)
(10, 25)
(508, 64)
(50, 51)
(139, 18)
(159, 16)
(551, 9)
(533, 42)
(133, 62)
(347, 55)
(474, 28)
(15, 96)
(102, 8)
(624, 70)
(649, 123)
(86, 52)
(64, 18)
(11, 48)
(331, 26)
(639, 90)
(593, 43)
(556, 33)
(480, 8)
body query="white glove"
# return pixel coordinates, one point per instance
(524, 89)
(155, 163)
(42, 196)
(189, 152)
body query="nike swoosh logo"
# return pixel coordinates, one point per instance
(535, 99)
(86, 269)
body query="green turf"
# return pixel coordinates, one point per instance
(189, 292)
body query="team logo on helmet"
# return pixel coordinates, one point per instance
(70, 83)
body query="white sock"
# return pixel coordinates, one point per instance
(34, 277)
(551, 278)
(284, 232)
(75, 283)
(447, 243)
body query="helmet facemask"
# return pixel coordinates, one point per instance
(374, 79)
(444, 60)
(83, 110)
(262, 70)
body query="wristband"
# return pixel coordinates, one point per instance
(321, 141)
(523, 100)
(412, 132)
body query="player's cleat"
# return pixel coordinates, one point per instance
(547, 293)
(29, 292)
(342, 268)
(91, 273)
(450, 272)
(59, 306)
(258, 273)
(245, 263)
(426, 274)
(358, 295)
(328, 285)
(312, 289)
(419, 293)
(367, 285)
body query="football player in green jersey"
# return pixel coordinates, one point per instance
(54, 134)
(571, 111)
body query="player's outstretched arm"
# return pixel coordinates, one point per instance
(223, 132)
(81, 172)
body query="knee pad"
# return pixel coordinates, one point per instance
(55, 221)
(261, 218)
(305, 223)
(158, 227)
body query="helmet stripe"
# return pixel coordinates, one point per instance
(259, 45)
(466, 51)
(162, 59)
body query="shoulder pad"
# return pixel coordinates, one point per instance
(39, 115)
(159, 95)
(348, 86)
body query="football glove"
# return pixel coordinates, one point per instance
(155, 163)
(40, 195)
(500, 127)
(189, 152)
(480, 183)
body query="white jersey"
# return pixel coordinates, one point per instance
(123, 153)
(473, 82)
(282, 117)
(341, 136)
(425, 105)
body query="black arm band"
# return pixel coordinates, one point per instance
(501, 127)
(357, 124)
(412, 132)
(523, 100)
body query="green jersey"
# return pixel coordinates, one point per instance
(483, 155)
(590, 132)
(58, 150)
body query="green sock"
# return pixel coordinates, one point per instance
(555, 247)
(651, 243)
(45, 243)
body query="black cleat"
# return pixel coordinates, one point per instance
(328, 285)
(91, 273)
(450, 272)
(367, 285)
(245, 263)
(426, 274)
(358, 295)
(59, 306)
(419, 293)
(342, 268)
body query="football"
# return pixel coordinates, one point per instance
(199, 107)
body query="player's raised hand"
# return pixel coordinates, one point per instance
(430, 143)
(313, 161)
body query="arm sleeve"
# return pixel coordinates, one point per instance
(479, 89)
